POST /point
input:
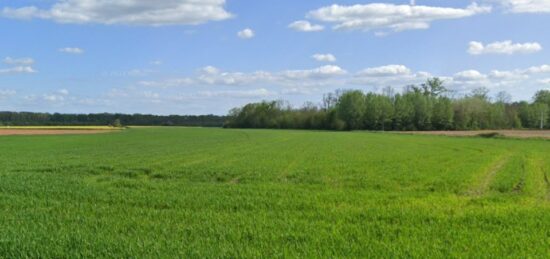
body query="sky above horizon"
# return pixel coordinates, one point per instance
(208, 56)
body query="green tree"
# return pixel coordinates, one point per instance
(351, 108)
(117, 123)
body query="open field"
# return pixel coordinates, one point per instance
(54, 130)
(207, 193)
(507, 133)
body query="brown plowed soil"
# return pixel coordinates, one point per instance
(8, 132)
(507, 133)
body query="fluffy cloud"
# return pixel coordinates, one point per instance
(134, 12)
(213, 76)
(389, 70)
(469, 75)
(324, 57)
(254, 93)
(6, 93)
(525, 6)
(72, 50)
(54, 98)
(317, 73)
(382, 16)
(18, 70)
(388, 75)
(19, 61)
(246, 34)
(503, 47)
(305, 26)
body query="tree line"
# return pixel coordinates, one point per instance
(429, 106)
(104, 119)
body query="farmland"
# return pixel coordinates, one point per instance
(196, 193)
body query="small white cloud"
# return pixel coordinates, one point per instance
(7, 93)
(389, 70)
(503, 47)
(305, 26)
(538, 69)
(525, 6)
(246, 34)
(63, 92)
(19, 61)
(321, 72)
(156, 62)
(54, 98)
(256, 93)
(210, 70)
(545, 81)
(72, 50)
(469, 75)
(324, 57)
(18, 70)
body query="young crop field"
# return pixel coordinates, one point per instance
(209, 193)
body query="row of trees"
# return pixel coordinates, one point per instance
(425, 107)
(57, 119)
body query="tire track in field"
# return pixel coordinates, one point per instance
(488, 176)
(546, 180)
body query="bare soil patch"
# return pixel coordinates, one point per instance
(10, 132)
(507, 133)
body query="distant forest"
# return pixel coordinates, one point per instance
(429, 106)
(100, 119)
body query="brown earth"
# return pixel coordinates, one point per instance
(9, 132)
(507, 133)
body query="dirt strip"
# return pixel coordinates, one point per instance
(10, 132)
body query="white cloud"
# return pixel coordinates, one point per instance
(72, 50)
(389, 75)
(545, 81)
(305, 26)
(382, 16)
(212, 76)
(246, 34)
(210, 70)
(54, 98)
(469, 75)
(324, 57)
(7, 93)
(19, 61)
(503, 47)
(538, 69)
(317, 73)
(63, 92)
(255, 93)
(18, 70)
(133, 12)
(389, 70)
(156, 62)
(525, 6)
(507, 75)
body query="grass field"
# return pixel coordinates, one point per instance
(206, 193)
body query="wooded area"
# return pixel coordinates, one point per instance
(104, 119)
(426, 107)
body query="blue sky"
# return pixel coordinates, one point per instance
(208, 56)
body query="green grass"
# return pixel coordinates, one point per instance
(208, 193)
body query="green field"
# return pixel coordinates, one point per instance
(208, 193)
